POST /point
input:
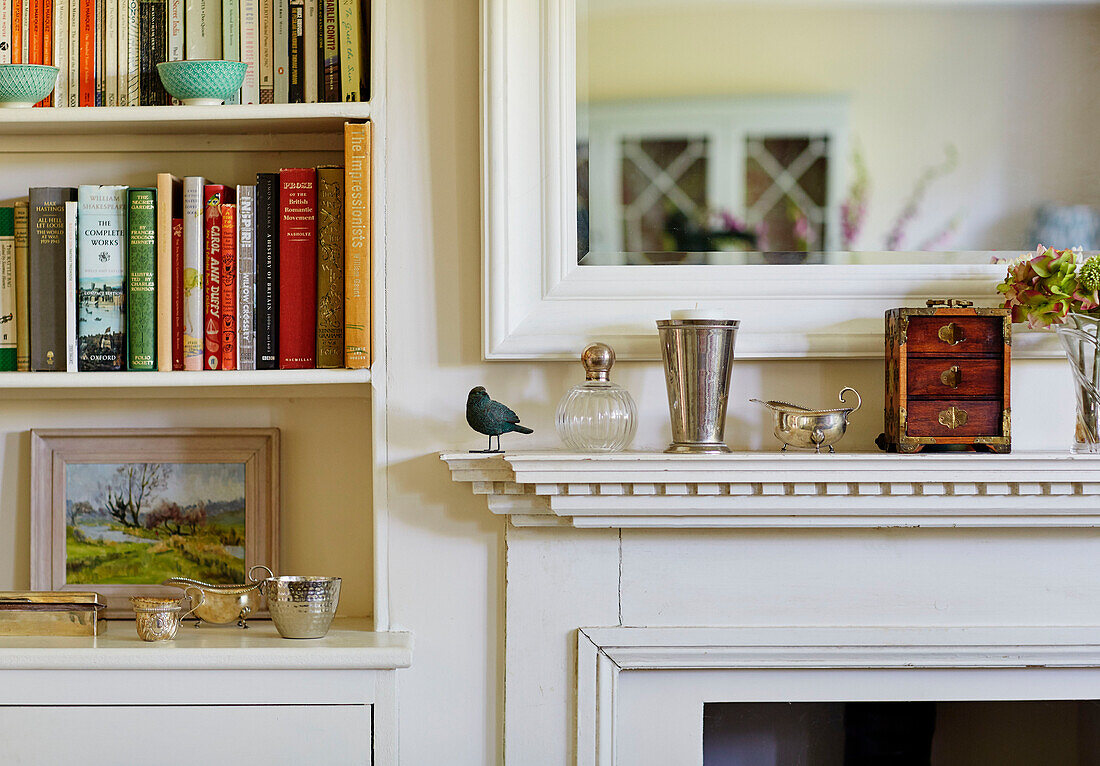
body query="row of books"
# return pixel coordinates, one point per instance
(297, 51)
(191, 274)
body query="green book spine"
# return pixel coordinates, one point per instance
(141, 279)
(7, 288)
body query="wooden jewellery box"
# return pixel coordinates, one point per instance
(947, 378)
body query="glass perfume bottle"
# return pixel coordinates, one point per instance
(597, 415)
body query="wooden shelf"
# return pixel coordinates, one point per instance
(180, 379)
(227, 119)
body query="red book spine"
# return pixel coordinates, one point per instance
(17, 32)
(177, 293)
(297, 269)
(214, 194)
(229, 287)
(87, 52)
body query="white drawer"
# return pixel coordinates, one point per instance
(243, 735)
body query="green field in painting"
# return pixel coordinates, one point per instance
(142, 556)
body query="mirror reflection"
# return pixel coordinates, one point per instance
(826, 131)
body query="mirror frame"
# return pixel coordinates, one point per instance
(538, 303)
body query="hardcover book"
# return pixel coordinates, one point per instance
(71, 363)
(215, 195)
(100, 291)
(267, 271)
(229, 287)
(297, 268)
(177, 294)
(22, 286)
(133, 53)
(141, 279)
(47, 276)
(350, 49)
(330, 266)
(250, 50)
(153, 34)
(194, 267)
(246, 277)
(357, 246)
(203, 29)
(169, 207)
(7, 289)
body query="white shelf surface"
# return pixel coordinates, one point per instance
(180, 379)
(224, 119)
(349, 645)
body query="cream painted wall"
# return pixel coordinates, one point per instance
(1011, 87)
(446, 552)
(326, 483)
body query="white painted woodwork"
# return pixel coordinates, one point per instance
(180, 378)
(329, 700)
(787, 490)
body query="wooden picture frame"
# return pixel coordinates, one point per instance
(54, 451)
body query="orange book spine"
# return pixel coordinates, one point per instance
(357, 245)
(87, 52)
(47, 43)
(17, 33)
(229, 287)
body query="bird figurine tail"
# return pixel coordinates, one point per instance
(522, 429)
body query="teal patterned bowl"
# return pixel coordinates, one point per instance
(24, 85)
(204, 82)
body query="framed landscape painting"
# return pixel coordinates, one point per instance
(118, 511)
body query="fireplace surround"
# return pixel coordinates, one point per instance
(641, 586)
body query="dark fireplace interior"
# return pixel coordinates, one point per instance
(1043, 733)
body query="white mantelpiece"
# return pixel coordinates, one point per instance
(792, 490)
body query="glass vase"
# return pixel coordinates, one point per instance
(1080, 338)
(597, 415)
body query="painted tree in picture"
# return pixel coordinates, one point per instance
(140, 523)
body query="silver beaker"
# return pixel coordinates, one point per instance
(698, 356)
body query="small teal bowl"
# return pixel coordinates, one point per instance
(24, 85)
(203, 82)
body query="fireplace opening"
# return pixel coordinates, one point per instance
(1032, 733)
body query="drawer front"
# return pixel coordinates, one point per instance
(243, 735)
(953, 417)
(951, 335)
(955, 377)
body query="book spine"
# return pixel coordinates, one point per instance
(177, 294)
(231, 38)
(202, 29)
(25, 37)
(297, 269)
(100, 71)
(61, 51)
(246, 277)
(250, 50)
(357, 245)
(72, 40)
(22, 286)
(47, 276)
(267, 271)
(160, 50)
(133, 53)
(6, 31)
(330, 52)
(47, 43)
(70, 287)
(229, 287)
(122, 52)
(100, 277)
(169, 206)
(350, 53)
(194, 267)
(17, 32)
(281, 42)
(110, 52)
(330, 267)
(8, 329)
(295, 56)
(265, 71)
(86, 56)
(214, 195)
(34, 49)
(311, 53)
(145, 51)
(176, 41)
(141, 279)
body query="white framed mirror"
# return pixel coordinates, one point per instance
(800, 166)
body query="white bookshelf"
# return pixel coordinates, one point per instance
(181, 379)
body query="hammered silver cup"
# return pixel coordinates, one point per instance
(698, 356)
(302, 607)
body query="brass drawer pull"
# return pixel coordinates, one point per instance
(952, 376)
(953, 417)
(952, 333)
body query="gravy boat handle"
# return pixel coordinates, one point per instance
(259, 566)
(194, 605)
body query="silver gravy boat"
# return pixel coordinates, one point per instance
(798, 426)
(224, 604)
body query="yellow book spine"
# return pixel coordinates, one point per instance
(357, 245)
(351, 31)
(22, 287)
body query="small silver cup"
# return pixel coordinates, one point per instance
(698, 356)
